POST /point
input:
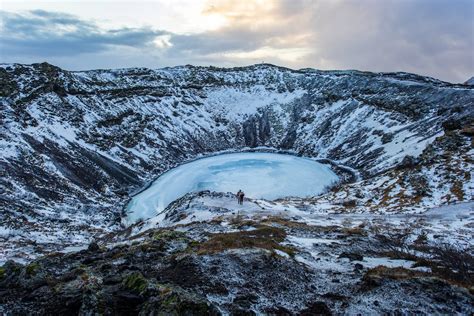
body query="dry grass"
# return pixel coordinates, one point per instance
(239, 222)
(374, 277)
(451, 263)
(264, 237)
(398, 273)
(386, 191)
(275, 220)
(285, 222)
(354, 231)
(457, 190)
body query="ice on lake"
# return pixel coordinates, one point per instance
(259, 175)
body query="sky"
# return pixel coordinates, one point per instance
(428, 37)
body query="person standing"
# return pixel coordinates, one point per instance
(242, 194)
(240, 197)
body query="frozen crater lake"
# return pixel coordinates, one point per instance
(259, 175)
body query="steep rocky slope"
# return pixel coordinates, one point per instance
(394, 237)
(75, 145)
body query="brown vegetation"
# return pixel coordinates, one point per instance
(265, 237)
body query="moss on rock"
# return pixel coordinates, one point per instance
(175, 301)
(32, 268)
(135, 282)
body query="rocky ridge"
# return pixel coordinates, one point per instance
(76, 145)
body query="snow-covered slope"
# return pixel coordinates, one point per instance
(470, 81)
(75, 145)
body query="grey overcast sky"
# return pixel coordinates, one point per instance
(428, 37)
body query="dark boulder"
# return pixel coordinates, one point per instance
(351, 256)
(451, 125)
(408, 162)
(387, 138)
(93, 247)
(316, 308)
(349, 203)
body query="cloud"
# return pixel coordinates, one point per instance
(48, 34)
(429, 37)
(251, 29)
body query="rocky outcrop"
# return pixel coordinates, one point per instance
(251, 265)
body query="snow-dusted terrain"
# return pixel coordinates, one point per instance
(75, 145)
(260, 175)
(394, 236)
(470, 81)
